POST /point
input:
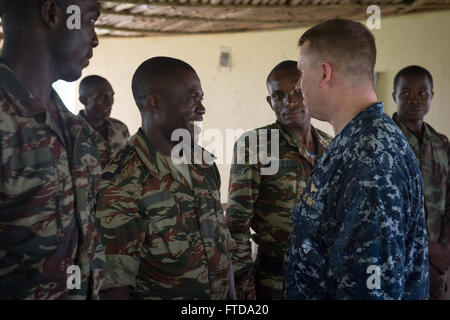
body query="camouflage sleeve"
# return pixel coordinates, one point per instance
(242, 195)
(122, 231)
(367, 259)
(445, 233)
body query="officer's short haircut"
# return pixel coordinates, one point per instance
(286, 64)
(155, 74)
(412, 70)
(346, 43)
(87, 83)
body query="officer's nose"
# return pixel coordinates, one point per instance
(298, 83)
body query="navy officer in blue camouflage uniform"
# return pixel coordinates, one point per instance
(359, 229)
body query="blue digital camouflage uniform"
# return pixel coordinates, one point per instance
(362, 209)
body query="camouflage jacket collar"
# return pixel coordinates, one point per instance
(429, 134)
(82, 114)
(357, 124)
(157, 163)
(27, 104)
(286, 134)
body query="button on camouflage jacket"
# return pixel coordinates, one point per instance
(264, 203)
(434, 160)
(47, 192)
(163, 238)
(117, 135)
(359, 229)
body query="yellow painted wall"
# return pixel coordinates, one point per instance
(236, 98)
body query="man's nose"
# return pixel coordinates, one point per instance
(292, 99)
(200, 108)
(94, 40)
(298, 84)
(414, 97)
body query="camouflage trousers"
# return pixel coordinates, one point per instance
(269, 282)
(268, 286)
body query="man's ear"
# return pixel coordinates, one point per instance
(51, 13)
(152, 103)
(432, 94)
(327, 72)
(83, 100)
(393, 97)
(269, 101)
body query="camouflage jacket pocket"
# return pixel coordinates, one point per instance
(29, 170)
(167, 232)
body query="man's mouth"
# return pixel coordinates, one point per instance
(415, 108)
(294, 112)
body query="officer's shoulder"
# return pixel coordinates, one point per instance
(381, 146)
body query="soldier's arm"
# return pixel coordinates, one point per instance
(445, 233)
(242, 195)
(122, 231)
(368, 259)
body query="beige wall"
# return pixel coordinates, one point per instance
(236, 98)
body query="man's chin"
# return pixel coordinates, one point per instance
(71, 76)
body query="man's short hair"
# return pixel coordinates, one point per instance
(412, 70)
(87, 82)
(155, 74)
(349, 44)
(283, 65)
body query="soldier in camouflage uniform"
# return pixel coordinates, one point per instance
(49, 165)
(162, 223)
(359, 229)
(97, 96)
(265, 202)
(413, 91)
